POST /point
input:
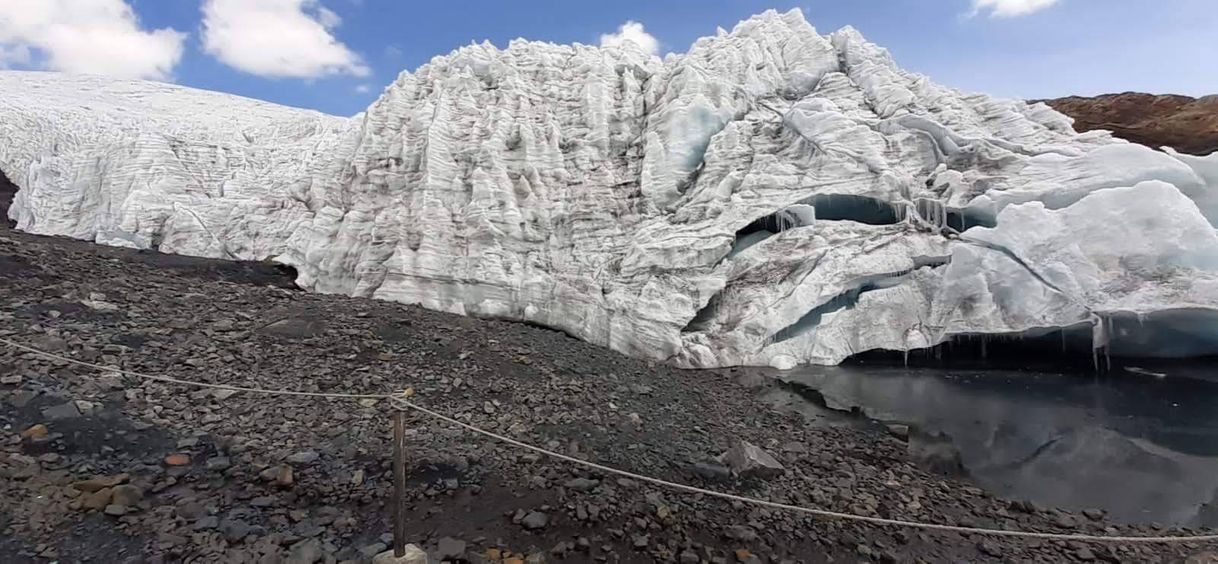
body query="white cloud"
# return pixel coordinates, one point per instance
(363, 89)
(1010, 8)
(86, 36)
(277, 38)
(633, 32)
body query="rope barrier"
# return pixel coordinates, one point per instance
(817, 512)
(168, 380)
(401, 403)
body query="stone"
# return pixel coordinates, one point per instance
(284, 476)
(10, 380)
(709, 471)
(749, 460)
(62, 411)
(899, 431)
(740, 533)
(1207, 557)
(304, 458)
(1065, 521)
(206, 523)
(414, 555)
(127, 495)
(115, 510)
(535, 520)
(110, 381)
(990, 548)
(295, 328)
(99, 482)
(268, 474)
(370, 551)
(35, 432)
(795, 447)
(224, 394)
(235, 529)
(98, 499)
(217, 463)
(450, 549)
(688, 557)
(1085, 554)
(306, 551)
(178, 459)
(581, 484)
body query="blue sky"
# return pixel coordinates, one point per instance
(337, 55)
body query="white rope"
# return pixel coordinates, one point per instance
(817, 512)
(168, 380)
(401, 401)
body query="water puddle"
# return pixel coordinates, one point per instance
(1140, 445)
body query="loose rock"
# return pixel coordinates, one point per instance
(749, 460)
(535, 520)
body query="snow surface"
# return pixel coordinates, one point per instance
(772, 197)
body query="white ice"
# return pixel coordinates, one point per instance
(774, 196)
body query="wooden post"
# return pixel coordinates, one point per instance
(399, 484)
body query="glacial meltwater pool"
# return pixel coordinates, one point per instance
(1140, 443)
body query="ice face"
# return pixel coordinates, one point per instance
(771, 197)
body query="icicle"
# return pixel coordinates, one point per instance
(1099, 339)
(1108, 346)
(984, 354)
(906, 354)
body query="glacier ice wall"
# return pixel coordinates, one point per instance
(771, 197)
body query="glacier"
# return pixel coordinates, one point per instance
(773, 196)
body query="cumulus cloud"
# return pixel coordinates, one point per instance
(277, 38)
(1010, 8)
(633, 32)
(86, 36)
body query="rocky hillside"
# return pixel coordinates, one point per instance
(1189, 125)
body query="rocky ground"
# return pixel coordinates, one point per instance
(1189, 125)
(99, 467)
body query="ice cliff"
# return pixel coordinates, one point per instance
(771, 197)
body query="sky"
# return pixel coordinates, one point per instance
(336, 56)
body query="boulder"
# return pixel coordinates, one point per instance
(749, 460)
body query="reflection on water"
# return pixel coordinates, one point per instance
(1140, 446)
